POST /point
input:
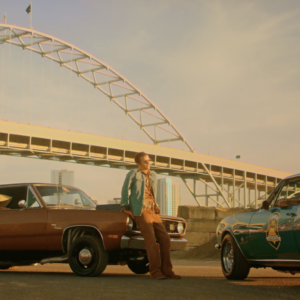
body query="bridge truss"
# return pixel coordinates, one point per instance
(105, 79)
(225, 182)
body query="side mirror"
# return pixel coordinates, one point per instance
(22, 204)
(265, 205)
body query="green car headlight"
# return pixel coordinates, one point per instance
(180, 228)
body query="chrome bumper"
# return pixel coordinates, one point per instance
(137, 242)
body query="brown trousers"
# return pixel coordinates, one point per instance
(154, 230)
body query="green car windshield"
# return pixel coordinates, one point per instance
(64, 197)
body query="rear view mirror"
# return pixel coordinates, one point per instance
(22, 204)
(265, 205)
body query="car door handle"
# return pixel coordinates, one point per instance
(291, 214)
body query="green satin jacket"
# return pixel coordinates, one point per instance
(135, 183)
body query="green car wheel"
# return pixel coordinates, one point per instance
(234, 264)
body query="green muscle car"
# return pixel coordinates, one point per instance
(269, 237)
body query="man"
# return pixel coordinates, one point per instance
(141, 206)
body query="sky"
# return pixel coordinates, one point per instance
(226, 73)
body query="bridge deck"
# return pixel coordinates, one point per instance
(48, 143)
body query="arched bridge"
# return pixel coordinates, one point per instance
(226, 182)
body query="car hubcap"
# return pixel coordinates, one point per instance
(228, 257)
(85, 256)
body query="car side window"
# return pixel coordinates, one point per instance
(289, 194)
(273, 196)
(12, 195)
(31, 200)
(4, 200)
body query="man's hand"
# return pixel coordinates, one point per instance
(128, 212)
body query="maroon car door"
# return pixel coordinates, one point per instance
(22, 228)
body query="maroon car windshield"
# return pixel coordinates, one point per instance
(64, 197)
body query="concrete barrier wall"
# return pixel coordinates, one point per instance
(203, 221)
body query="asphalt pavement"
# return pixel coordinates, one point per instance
(201, 279)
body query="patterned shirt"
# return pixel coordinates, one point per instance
(149, 197)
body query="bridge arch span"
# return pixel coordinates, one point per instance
(145, 114)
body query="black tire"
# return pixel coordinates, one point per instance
(234, 264)
(139, 266)
(87, 256)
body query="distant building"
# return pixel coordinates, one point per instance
(63, 177)
(114, 201)
(168, 196)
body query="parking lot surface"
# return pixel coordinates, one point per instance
(201, 279)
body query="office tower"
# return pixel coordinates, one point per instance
(168, 196)
(64, 177)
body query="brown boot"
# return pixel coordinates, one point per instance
(164, 277)
(173, 276)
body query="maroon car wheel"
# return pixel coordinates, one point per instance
(139, 266)
(234, 264)
(87, 256)
(4, 267)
